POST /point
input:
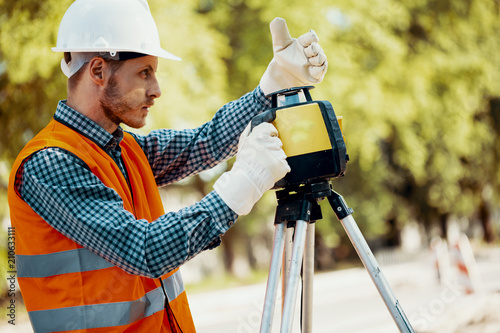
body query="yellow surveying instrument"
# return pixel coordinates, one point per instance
(312, 139)
(311, 135)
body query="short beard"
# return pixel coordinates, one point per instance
(115, 106)
(109, 100)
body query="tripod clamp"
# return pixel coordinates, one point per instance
(339, 205)
(300, 203)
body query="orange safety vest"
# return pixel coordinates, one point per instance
(68, 288)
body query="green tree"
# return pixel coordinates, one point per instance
(414, 80)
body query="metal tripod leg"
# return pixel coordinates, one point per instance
(365, 254)
(272, 281)
(287, 259)
(307, 280)
(293, 280)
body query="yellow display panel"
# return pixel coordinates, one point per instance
(302, 130)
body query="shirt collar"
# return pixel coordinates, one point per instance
(87, 127)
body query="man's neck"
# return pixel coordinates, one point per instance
(91, 108)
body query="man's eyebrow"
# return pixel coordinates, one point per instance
(149, 67)
(154, 70)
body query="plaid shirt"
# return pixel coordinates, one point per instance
(58, 187)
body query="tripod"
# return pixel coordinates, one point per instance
(297, 208)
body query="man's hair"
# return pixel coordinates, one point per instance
(76, 78)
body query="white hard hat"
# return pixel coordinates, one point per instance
(110, 26)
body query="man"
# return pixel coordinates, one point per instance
(95, 250)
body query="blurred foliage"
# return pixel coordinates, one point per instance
(414, 86)
(417, 82)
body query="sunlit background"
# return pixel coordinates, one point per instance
(417, 84)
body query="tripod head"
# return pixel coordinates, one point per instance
(311, 135)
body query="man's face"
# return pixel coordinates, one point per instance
(130, 92)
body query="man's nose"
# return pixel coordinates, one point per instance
(154, 90)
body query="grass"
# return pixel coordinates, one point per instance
(225, 280)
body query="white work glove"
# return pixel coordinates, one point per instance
(297, 62)
(260, 163)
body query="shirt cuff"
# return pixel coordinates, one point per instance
(261, 98)
(223, 216)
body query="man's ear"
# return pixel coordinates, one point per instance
(96, 70)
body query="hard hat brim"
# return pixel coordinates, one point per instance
(157, 53)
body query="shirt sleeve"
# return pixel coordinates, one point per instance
(67, 195)
(174, 155)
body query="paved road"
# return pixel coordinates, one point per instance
(347, 301)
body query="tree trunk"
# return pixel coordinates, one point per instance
(485, 217)
(393, 237)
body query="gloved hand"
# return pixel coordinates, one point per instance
(296, 62)
(260, 163)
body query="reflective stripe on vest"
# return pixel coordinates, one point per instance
(72, 261)
(174, 286)
(80, 260)
(97, 315)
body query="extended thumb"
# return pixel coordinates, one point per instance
(279, 32)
